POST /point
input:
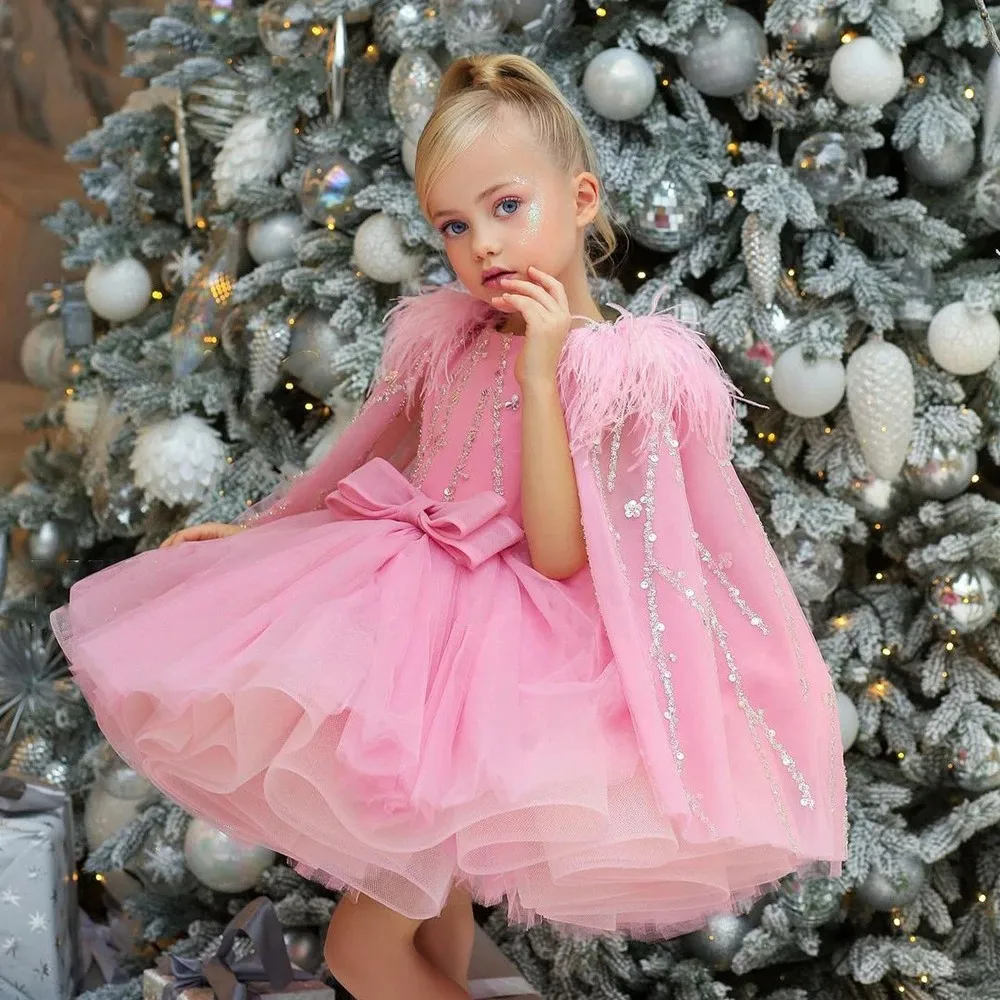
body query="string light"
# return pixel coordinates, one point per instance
(201, 223)
(968, 93)
(887, 651)
(289, 385)
(157, 294)
(372, 52)
(975, 478)
(767, 380)
(827, 430)
(981, 897)
(309, 406)
(879, 575)
(841, 621)
(847, 37)
(730, 193)
(791, 272)
(879, 689)
(641, 275)
(949, 646)
(733, 148)
(601, 12)
(665, 81)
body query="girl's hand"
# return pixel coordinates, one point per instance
(542, 303)
(201, 533)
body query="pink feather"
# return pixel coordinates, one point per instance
(638, 366)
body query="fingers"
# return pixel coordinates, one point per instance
(527, 307)
(527, 289)
(552, 285)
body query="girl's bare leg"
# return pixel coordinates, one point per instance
(371, 951)
(446, 940)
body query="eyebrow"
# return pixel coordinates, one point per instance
(479, 198)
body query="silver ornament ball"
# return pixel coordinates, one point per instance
(414, 82)
(619, 84)
(310, 352)
(964, 600)
(43, 355)
(51, 545)
(221, 862)
(917, 18)
(718, 942)
(865, 73)
(978, 771)
(885, 892)
(811, 902)
(807, 388)
(273, 237)
(830, 166)
(725, 64)
(118, 291)
(814, 566)
(945, 474)
(218, 12)
(290, 28)
(964, 340)
(304, 947)
(329, 186)
(850, 723)
(113, 801)
(814, 34)
(876, 500)
(670, 217)
(943, 167)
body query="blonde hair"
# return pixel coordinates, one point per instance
(473, 91)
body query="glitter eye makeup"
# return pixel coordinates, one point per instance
(533, 216)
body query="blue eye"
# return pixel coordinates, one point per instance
(515, 202)
(446, 229)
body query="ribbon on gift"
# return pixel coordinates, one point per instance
(20, 796)
(470, 530)
(232, 979)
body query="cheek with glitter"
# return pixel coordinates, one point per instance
(533, 223)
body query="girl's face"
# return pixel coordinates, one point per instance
(503, 206)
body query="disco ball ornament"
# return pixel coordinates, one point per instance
(273, 237)
(619, 84)
(811, 902)
(219, 12)
(52, 544)
(670, 217)
(850, 724)
(814, 566)
(31, 755)
(964, 600)
(964, 337)
(329, 186)
(305, 950)
(413, 88)
(978, 771)
(863, 73)
(807, 388)
(718, 942)
(310, 353)
(43, 355)
(946, 474)
(475, 22)
(724, 64)
(830, 166)
(290, 28)
(814, 34)
(221, 862)
(690, 310)
(885, 892)
(876, 500)
(941, 167)
(118, 291)
(917, 18)
(214, 105)
(56, 773)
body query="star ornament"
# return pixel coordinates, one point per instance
(31, 665)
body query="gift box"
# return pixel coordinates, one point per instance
(39, 958)
(267, 973)
(493, 974)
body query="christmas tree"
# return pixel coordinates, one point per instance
(815, 186)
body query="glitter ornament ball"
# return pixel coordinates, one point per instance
(119, 291)
(221, 862)
(290, 28)
(814, 566)
(719, 940)
(811, 902)
(807, 388)
(670, 217)
(724, 64)
(884, 892)
(965, 600)
(943, 167)
(619, 84)
(273, 237)
(380, 253)
(329, 187)
(946, 474)
(964, 340)
(414, 82)
(863, 72)
(830, 166)
(917, 18)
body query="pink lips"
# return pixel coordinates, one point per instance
(491, 278)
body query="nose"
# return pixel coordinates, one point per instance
(486, 243)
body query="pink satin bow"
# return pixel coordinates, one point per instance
(471, 530)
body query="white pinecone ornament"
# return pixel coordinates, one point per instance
(177, 460)
(762, 257)
(256, 150)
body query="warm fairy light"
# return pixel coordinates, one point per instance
(371, 52)
(924, 978)
(847, 37)
(70, 391)
(821, 474)
(309, 406)
(601, 12)
(879, 689)
(732, 148)
(886, 651)
(975, 478)
(641, 275)
(201, 223)
(791, 272)
(331, 224)
(902, 756)
(665, 81)
(317, 30)
(291, 321)
(841, 621)
(760, 435)
(730, 193)
(75, 368)
(968, 93)
(289, 385)
(767, 380)
(879, 575)
(229, 459)
(827, 430)
(772, 437)
(921, 79)
(949, 646)
(944, 675)
(157, 294)
(99, 877)
(897, 921)
(981, 897)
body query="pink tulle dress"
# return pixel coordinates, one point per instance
(383, 689)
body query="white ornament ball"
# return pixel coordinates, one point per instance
(273, 237)
(963, 341)
(807, 388)
(408, 151)
(725, 64)
(177, 460)
(526, 11)
(119, 291)
(864, 72)
(80, 414)
(917, 18)
(380, 253)
(945, 166)
(43, 354)
(850, 724)
(619, 84)
(221, 862)
(881, 398)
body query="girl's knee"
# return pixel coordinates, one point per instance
(359, 930)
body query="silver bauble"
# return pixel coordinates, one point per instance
(311, 351)
(876, 500)
(43, 355)
(290, 28)
(379, 251)
(724, 64)
(118, 291)
(213, 106)
(619, 84)
(945, 474)
(670, 217)
(113, 801)
(943, 167)
(221, 862)
(917, 18)
(813, 566)
(719, 940)
(56, 773)
(690, 310)
(831, 167)
(413, 87)
(850, 723)
(883, 892)
(329, 186)
(978, 772)
(120, 507)
(814, 34)
(51, 544)
(475, 23)
(273, 237)
(811, 902)
(304, 947)
(526, 11)
(964, 600)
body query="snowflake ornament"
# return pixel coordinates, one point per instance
(182, 267)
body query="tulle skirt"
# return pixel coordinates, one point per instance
(349, 691)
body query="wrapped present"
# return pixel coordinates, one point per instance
(266, 973)
(493, 975)
(39, 958)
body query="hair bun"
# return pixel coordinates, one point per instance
(503, 74)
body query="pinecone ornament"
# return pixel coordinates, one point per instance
(762, 257)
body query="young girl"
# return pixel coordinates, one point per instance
(520, 636)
